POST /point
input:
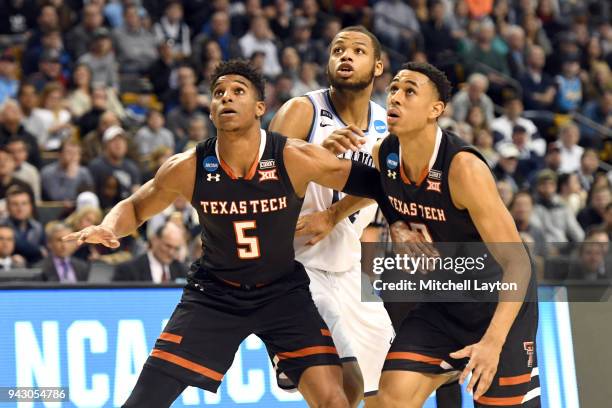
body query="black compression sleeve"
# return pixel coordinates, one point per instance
(364, 181)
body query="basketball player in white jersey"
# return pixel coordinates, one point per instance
(339, 117)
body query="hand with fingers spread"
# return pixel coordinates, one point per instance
(319, 224)
(410, 242)
(484, 358)
(95, 234)
(342, 140)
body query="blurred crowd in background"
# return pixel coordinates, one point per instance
(95, 95)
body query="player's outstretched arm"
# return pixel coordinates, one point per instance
(473, 188)
(175, 177)
(294, 118)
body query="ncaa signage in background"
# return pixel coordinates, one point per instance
(94, 342)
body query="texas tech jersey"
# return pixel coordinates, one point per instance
(248, 223)
(339, 251)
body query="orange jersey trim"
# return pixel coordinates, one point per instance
(189, 365)
(421, 178)
(325, 332)
(414, 357)
(228, 170)
(308, 351)
(519, 379)
(501, 401)
(173, 338)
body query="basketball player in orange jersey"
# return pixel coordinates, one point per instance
(442, 189)
(247, 186)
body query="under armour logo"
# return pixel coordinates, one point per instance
(213, 177)
(392, 174)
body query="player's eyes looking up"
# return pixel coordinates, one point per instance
(238, 90)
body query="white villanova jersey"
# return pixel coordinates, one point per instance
(341, 249)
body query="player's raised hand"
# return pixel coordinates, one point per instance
(484, 358)
(319, 224)
(95, 234)
(342, 140)
(411, 242)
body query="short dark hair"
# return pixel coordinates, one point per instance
(439, 79)
(16, 189)
(244, 69)
(361, 29)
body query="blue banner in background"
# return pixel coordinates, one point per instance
(95, 341)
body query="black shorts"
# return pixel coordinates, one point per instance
(432, 331)
(199, 342)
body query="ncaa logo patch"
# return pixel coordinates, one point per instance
(392, 161)
(380, 126)
(211, 164)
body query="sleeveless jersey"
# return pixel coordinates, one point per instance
(341, 249)
(247, 223)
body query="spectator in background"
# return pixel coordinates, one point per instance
(440, 45)
(607, 224)
(29, 234)
(379, 92)
(55, 119)
(220, 32)
(183, 75)
(483, 141)
(101, 60)
(24, 171)
(307, 81)
(47, 20)
(114, 162)
(172, 30)
(78, 39)
(63, 179)
(504, 125)
(570, 151)
(83, 217)
(51, 43)
(483, 55)
(569, 86)
(516, 57)
(552, 159)
(159, 264)
(302, 41)
(28, 101)
(589, 163)
(60, 265)
(16, 21)
(136, 47)
(260, 38)
(331, 27)
(198, 132)
(599, 111)
(49, 70)
(591, 262)
(571, 193)
(11, 118)
(8, 258)
(7, 175)
(539, 88)
(153, 135)
(160, 70)
(521, 209)
(179, 117)
(396, 25)
(9, 82)
(473, 94)
(529, 161)
(551, 215)
(477, 119)
(180, 210)
(92, 142)
(595, 212)
(290, 62)
(156, 160)
(507, 164)
(317, 19)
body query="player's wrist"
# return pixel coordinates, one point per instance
(494, 339)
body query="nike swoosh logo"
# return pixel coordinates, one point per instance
(325, 124)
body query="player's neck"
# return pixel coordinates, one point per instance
(239, 149)
(352, 106)
(417, 148)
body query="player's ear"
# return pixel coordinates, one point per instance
(437, 109)
(260, 109)
(378, 68)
